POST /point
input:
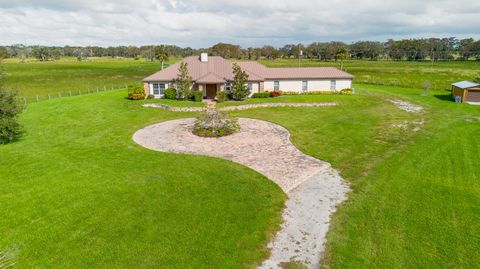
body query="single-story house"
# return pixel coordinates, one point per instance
(466, 92)
(212, 74)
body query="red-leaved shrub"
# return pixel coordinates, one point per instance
(275, 93)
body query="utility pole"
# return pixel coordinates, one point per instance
(300, 53)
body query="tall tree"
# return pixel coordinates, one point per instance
(3, 53)
(476, 50)
(342, 54)
(465, 48)
(226, 50)
(366, 50)
(161, 54)
(240, 90)
(184, 82)
(10, 129)
(270, 52)
(41, 53)
(287, 50)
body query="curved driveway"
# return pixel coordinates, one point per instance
(313, 187)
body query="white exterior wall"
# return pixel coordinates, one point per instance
(255, 87)
(313, 85)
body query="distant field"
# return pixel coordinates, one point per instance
(33, 78)
(392, 73)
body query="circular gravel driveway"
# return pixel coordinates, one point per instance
(313, 186)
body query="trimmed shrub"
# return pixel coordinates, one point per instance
(197, 96)
(170, 93)
(150, 96)
(221, 97)
(261, 95)
(346, 91)
(275, 93)
(136, 93)
(215, 124)
(185, 95)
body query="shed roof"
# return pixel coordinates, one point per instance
(466, 84)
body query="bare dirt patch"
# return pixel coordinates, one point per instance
(406, 106)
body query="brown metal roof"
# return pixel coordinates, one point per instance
(219, 70)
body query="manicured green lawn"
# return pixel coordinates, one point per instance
(420, 206)
(416, 195)
(77, 192)
(392, 73)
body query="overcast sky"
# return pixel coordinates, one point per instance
(202, 23)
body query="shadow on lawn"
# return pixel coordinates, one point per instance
(444, 97)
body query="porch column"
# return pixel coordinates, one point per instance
(146, 88)
(202, 88)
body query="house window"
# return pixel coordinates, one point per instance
(333, 85)
(250, 86)
(305, 85)
(228, 87)
(158, 88)
(276, 85)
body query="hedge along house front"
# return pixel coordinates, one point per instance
(212, 74)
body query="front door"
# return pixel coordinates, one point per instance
(211, 91)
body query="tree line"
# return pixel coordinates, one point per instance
(423, 49)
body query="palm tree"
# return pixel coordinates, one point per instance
(161, 54)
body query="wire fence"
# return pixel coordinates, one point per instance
(73, 92)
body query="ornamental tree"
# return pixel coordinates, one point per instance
(184, 82)
(240, 91)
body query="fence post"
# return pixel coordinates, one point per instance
(48, 96)
(112, 87)
(25, 100)
(70, 92)
(79, 92)
(37, 98)
(104, 88)
(88, 90)
(59, 94)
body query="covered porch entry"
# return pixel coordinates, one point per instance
(210, 90)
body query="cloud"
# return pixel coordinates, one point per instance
(201, 23)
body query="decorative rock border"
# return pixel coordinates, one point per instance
(261, 105)
(241, 107)
(313, 186)
(176, 109)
